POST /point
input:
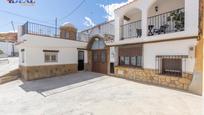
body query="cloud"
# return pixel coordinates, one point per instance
(109, 9)
(88, 22)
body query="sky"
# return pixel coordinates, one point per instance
(82, 13)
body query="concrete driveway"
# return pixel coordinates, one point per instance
(87, 93)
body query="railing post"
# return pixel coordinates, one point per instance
(26, 28)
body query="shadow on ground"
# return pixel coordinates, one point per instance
(43, 85)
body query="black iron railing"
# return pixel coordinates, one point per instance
(131, 30)
(39, 29)
(172, 21)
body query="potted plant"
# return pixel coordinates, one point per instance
(177, 17)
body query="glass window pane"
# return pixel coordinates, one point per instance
(133, 61)
(81, 55)
(139, 61)
(122, 60)
(47, 58)
(53, 58)
(98, 44)
(50, 56)
(103, 56)
(127, 60)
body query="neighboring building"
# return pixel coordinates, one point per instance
(105, 30)
(46, 51)
(7, 44)
(152, 41)
(8, 36)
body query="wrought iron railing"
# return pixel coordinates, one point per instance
(39, 29)
(172, 21)
(131, 30)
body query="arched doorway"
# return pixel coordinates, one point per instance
(99, 55)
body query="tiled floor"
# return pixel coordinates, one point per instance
(87, 93)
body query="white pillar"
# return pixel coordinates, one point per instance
(118, 23)
(116, 60)
(144, 23)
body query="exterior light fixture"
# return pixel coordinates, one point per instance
(96, 39)
(156, 8)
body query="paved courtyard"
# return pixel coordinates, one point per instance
(87, 93)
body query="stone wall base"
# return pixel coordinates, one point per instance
(151, 77)
(11, 76)
(39, 72)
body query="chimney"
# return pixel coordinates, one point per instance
(68, 31)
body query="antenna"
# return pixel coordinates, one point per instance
(56, 27)
(13, 26)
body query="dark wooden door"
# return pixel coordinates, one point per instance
(81, 60)
(99, 61)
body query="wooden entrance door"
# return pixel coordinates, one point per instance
(99, 61)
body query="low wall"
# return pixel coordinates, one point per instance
(11, 76)
(151, 77)
(39, 72)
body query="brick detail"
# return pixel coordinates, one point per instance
(39, 72)
(151, 77)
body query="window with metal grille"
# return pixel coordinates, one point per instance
(171, 65)
(50, 56)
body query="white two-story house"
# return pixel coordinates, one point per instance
(155, 42)
(150, 41)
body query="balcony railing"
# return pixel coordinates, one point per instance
(168, 22)
(39, 29)
(172, 21)
(131, 30)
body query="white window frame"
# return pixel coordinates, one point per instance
(50, 54)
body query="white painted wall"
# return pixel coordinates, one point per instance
(35, 56)
(41, 41)
(34, 46)
(7, 48)
(179, 47)
(165, 6)
(191, 15)
(107, 28)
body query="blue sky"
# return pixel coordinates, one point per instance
(44, 11)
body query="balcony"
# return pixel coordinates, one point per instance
(169, 22)
(40, 30)
(131, 30)
(164, 23)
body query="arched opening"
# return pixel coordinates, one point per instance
(131, 27)
(99, 53)
(166, 16)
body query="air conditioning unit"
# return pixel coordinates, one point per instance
(191, 52)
